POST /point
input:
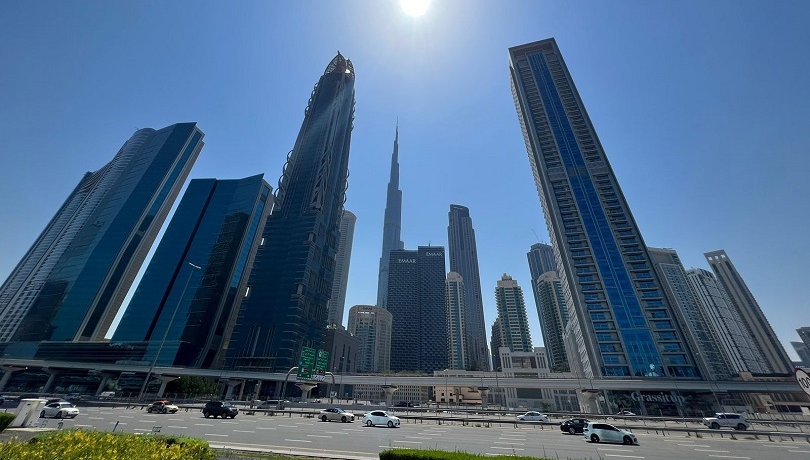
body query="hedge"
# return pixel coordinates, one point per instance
(5, 420)
(415, 454)
(97, 445)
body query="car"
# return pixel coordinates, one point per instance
(106, 395)
(75, 397)
(219, 409)
(605, 432)
(728, 420)
(533, 416)
(162, 407)
(59, 409)
(625, 413)
(272, 404)
(335, 414)
(574, 425)
(379, 417)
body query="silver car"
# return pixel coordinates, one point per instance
(335, 414)
(59, 409)
(379, 417)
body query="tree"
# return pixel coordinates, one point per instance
(192, 384)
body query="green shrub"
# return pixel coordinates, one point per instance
(5, 420)
(96, 445)
(414, 454)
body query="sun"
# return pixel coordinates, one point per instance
(414, 7)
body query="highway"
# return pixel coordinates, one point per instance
(308, 436)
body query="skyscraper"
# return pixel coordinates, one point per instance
(391, 225)
(464, 261)
(804, 334)
(694, 324)
(495, 342)
(337, 300)
(803, 351)
(294, 270)
(416, 300)
(215, 227)
(456, 325)
(553, 318)
(541, 260)
(72, 281)
(514, 323)
(618, 313)
(775, 357)
(372, 327)
(733, 340)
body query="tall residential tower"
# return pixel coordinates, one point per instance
(513, 321)
(392, 225)
(464, 261)
(618, 312)
(292, 276)
(337, 301)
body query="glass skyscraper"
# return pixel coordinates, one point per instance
(215, 227)
(550, 302)
(291, 281)
(618, 314)
(416, 300)
(392, 225)
(456, 325)
(513, 321)
(464, 261)
(71, 283)
(343, 258)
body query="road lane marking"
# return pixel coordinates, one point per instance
(615, 450)
(623, 456)
(345, 429)
(408, 442)
(213, 434)
(297, 440)
(203, 424)
(693, 445)
(507, 448)
(334, 432)
(728, 456)
(289, 426)
(797, 451)
(176, 419)
(711, 450)
(127, 416)
(178, 427)
(318, 436)
(511, 443)
(420, 437)
(243, 431)
(230, 423)
(264, 428)
(92, 425)
(394, 447)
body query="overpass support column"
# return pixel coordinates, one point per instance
(484, 392)
(7, 373)
(164, 380)
(279, 389)
(105, 377)
(588, 401)
(389, 394)
(230, 385)
(52, 373)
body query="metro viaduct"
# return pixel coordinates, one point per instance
(584, 384)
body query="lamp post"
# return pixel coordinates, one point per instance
(166, 332)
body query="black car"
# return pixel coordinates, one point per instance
(219, 409)
(574, 425)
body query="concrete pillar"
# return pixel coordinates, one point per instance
(484, 392)
(278, 389)
(389, 394)
(241, 390)
(588, 401)
(257, 392)
(231, 384)
(164, 380)
(305, 387)
(8, 371)
(105, 377)
(52, 373)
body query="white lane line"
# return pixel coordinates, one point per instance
(92, 425)
(693, 445)
(289, 426)
(797, 451)
(507, 448)
(127, 416)
(243, 431)
(318, 436)
(408, 442)
(420, 437)
(334, 432)
(96, 418)
(712, 450)
(213, 434)
(178, 427)
(345, 429)
(176, 419)
(728, 456)
(394, 447)
(615, 450)
(230, 423)
(142, 429)
(297, 440)
(264, 428)
(146, 421)
(203, 424)
(510, 443)
(623, 456)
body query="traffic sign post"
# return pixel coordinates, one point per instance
(321, 363)
(306, 364)
(803, 377)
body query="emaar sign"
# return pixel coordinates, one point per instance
(804, 380)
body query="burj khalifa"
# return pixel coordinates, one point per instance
(392, 224)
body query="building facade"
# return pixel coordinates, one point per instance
(804, 334)
(464, 261)
(189, 312)
(343, 348)
(774, 357)
(416, 300)
(739, 350)
(292, 276)
(392, 225)
(541, 260)
(371, 325)
(456, 322)
(514, 323)
(337, 301)
(618, 313)
(803, 351)
(553, 316)
(71, 283)
(694, 324)
(496, 342)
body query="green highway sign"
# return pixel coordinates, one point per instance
(306, 364)
(321, 364)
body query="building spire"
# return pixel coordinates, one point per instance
(392, 223)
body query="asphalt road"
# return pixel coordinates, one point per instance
(352, 440)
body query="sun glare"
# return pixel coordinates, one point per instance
(414, 7)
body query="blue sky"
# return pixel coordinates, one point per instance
(702, 108)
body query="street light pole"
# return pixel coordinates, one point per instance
(166, 332)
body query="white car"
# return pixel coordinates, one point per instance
(379, 417)
(59, 409)
(604, 432)
(533, 416)
(728, 420)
